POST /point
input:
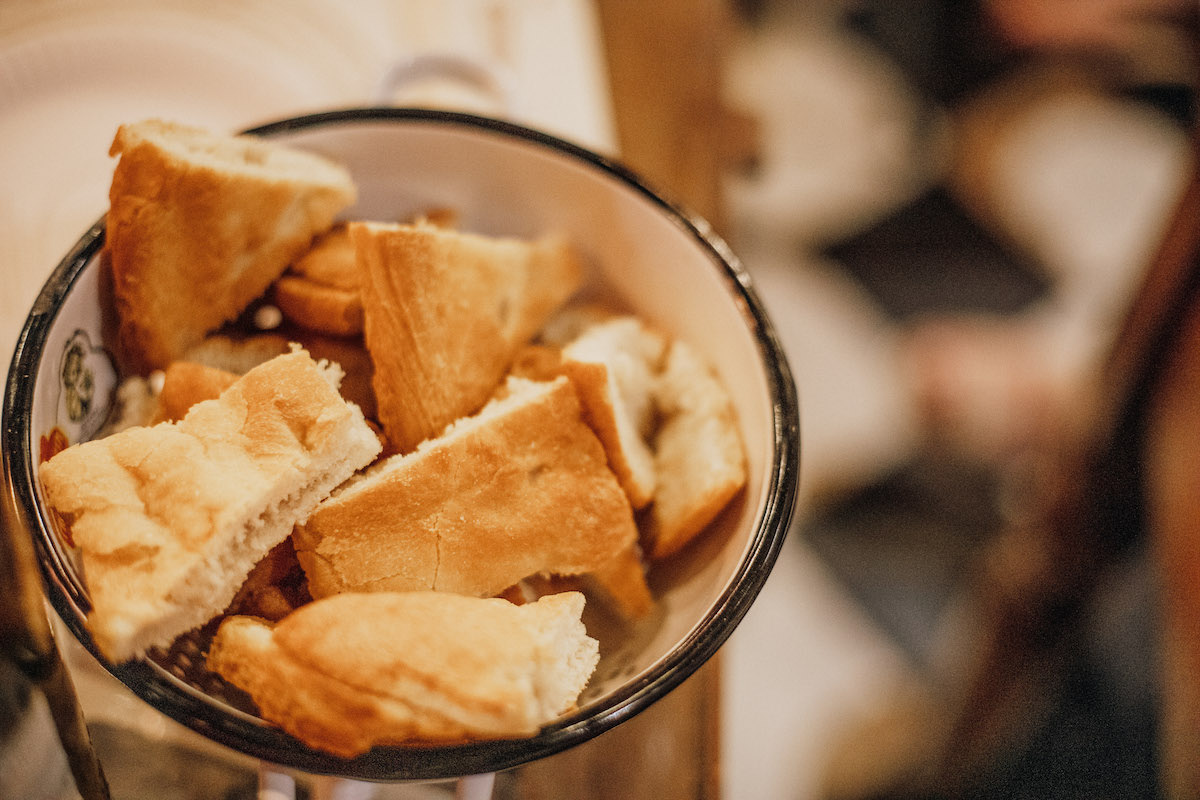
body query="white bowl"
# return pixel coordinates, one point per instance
(643, 252)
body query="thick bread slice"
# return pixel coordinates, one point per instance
(200, 224)
(613, 365)
(444, 314)
(519, 489)
(698, 453)
(170, 519)
(347, 673)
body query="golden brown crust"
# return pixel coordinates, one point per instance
(522, 488)
(321, 290)
(170, 519)
(186, 383)
(444, 315)
(199, 225)
(354, 671)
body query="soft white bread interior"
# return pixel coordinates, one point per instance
(613, 365)
(200, 224)
(698, 455)
(350, 672)
(444, 313)
(170, 519)
(518, 489)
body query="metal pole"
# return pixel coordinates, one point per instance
(27, 640)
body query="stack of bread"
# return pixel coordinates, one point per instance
(429, 436)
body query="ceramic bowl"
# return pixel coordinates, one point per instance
(642, 252)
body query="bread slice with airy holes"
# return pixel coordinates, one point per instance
(350, 672)
(518, 489)
(444, 314)
(200, 224)
(170, 519)
(698, 454)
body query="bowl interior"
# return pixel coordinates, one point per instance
(641, 253)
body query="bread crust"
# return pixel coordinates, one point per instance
(354, 671)
(445, 313)
(520, 489)
(321, 290)
(199, 225)
(170, 519)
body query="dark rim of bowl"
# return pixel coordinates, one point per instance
(256, 738)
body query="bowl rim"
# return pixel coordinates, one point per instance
(251, 736)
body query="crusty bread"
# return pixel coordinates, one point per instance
(518, 489)
(444, 314)
(613, 364)
(200, 224)
(347, 673)
(698, 455)
(321, 290)
(170, 519)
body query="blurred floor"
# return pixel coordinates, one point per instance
(861, 226)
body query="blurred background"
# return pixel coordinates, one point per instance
(947, 206)
(950, 212)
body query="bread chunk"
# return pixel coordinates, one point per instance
(321, 290)
(613, 365)
(698, 452)
(347, 673)
(520, 488)
(444, 313)
(186, 383)
(170, 519)
(200, 224)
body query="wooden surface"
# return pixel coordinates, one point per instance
(1173, 508)
(664, 62)
(1168, 412)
